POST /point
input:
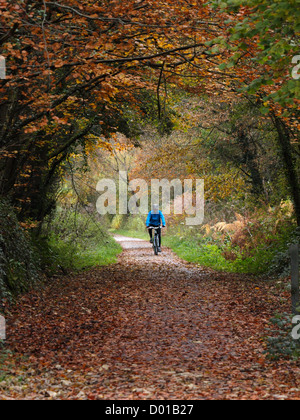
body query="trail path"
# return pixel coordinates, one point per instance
(148, 328)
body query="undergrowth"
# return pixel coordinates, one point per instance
(76, 241)
(19, 265)
(71, 240)
(280, 342)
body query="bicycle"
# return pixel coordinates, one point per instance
(156, 238)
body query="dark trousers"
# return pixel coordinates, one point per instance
(159, 234)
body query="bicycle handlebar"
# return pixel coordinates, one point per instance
(155, 227)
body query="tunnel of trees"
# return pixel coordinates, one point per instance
(193, 89)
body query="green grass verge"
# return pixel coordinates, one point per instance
(104, 254)
(205, 255)
(211, 255)
(56, 253)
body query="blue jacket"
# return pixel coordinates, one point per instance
(155, 219)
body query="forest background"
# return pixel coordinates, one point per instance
(187, 90)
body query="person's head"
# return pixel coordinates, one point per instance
(155, 208)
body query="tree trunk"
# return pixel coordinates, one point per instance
(284, 141)
(250, 160)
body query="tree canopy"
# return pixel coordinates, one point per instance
(79, 71)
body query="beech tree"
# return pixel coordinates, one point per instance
(263, 38)
(71, 67)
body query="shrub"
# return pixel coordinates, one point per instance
(19, 265)
(255, 244)
(75, 240)
(117, 222)
(135, 223)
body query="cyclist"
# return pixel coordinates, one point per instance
(155, 218)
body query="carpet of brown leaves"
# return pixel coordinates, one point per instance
(147, 328)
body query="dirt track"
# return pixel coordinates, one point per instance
(148, 328)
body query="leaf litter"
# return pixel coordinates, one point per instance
(147, 327)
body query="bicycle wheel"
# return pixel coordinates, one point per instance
(155, 245)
